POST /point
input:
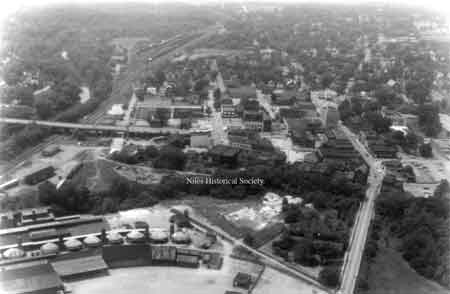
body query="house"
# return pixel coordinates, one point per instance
(242, 280)
(267, 123)
(283, 98)
(303, 131)
(223, 154)
(240, 142)
(382, 149)
(187, 260)
(40, 278)
(329, 115)
(213, 261)
(253, 120)
(201, 139)
(338, 147)
(227, 108)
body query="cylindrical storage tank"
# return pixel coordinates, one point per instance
(114, 238)
(49, 248)
(159, 236)
(13, 253)
(181, 238)
(92, 241)
(73, 244)
(135, 236)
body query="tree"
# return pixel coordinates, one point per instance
(249, 240)
(303, 253)
(170, 158)
(326, 80)
(329, 276)
(411, 140)
(429, 119)
(426, 150)
(140, 93)
(345, 110)
(162, 115)
(200, 85)
(217, 94)
(284, 205)
(392, 205)
(23, 94)
(160, 78)
(378, 122)
(47, 193)
(417, 90)
(385, 95)
(43, 106)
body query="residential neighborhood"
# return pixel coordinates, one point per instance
(227, 147)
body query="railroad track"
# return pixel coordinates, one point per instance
(178, 42)
(19, 160)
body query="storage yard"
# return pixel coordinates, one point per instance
(158, 279)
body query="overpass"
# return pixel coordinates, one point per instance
(138, 130)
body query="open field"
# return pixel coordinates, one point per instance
(390, 274)
(167, 280)
(273, 281)
(420, 190)
(427, 170)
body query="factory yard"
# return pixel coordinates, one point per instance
(168, 280)
(64, 160)
(156, 216)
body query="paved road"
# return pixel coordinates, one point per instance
(118, 89)
(265, 104)
(360, 230)
(219, 134)
(95, 127)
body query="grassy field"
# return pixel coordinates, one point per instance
(391, 274)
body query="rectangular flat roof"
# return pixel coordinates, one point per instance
(79, 265)
(31, 279)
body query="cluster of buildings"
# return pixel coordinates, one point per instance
(119, 59)
(338, 146)
(378, 145)
(396, 175)
(38, 252)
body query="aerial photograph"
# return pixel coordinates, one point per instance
(224, 147)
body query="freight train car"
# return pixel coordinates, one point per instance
(40, 175)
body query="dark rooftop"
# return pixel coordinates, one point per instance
(40, 278)
(77, 264)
